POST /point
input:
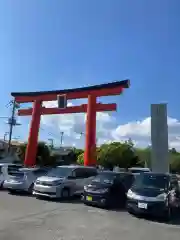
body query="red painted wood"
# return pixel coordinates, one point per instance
(90, 149)
(30, 157)
(74, 109)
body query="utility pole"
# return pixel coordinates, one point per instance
(62, 134)
(12, 122)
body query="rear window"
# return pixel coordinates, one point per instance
(90, 172)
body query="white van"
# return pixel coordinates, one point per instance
(6, 169)
(64, 181)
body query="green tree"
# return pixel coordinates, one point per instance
(117, 154)
(144, 156)
(77, 152)
(80, 159)
(175, 163)
(43, 154)
(21, 151)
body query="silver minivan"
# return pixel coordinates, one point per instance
(6, 170)
(64, 181)
(23, 180)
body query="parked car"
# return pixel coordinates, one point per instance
(156, 194)
(136, 170)
(108, 189)
(23, 180)
(6, 171)
(64, 181)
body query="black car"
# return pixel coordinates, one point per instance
(108, 189)
(156, 194)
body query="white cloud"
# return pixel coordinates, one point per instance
(74, 124)
(107, 128)
(140, 132)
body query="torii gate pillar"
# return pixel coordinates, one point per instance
(31, 151)
(90, 149)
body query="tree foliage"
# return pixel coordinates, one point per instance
(125, 155)
(114, 154)
(43, 154)
(80, 159)
(77, 152)
(117, 154)
(122, 154)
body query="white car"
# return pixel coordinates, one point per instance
(6, 170)
(64, 181)
(23, 180)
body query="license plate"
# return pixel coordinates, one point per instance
(142, 205)
(89, 198)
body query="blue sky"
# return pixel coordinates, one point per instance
(46, 45)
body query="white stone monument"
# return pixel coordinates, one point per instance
(159, 138)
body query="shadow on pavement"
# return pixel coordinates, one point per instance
(72, 200)
(175, 221)
(18, 193)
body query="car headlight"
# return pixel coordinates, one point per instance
(85, 188)
(37, 182)
(162, 197)
(131, 194)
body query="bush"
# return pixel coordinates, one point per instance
(43, 155)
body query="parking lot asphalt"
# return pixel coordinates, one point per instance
(28, 218)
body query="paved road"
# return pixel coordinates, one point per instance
(26, 218)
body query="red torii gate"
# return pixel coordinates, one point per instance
(92, 92)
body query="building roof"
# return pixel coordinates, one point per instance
(124, 84)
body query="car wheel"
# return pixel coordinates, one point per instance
(1, 185)
(12, 191)
(130, 211)
(30, 190)
(65, 193)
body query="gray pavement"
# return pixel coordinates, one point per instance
(27, 218)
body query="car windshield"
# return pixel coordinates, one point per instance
(106, 178)
(60, 172)
(151, 181)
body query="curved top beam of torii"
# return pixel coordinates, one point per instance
(113, 88)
